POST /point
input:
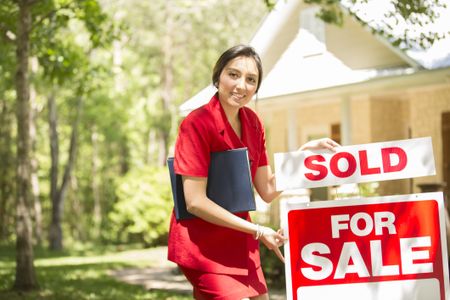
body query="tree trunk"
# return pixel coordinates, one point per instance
(6, 167)
(77, 228)
(35, 190)
(25, 273)
(152, 147)
(58, 195)
(124, 156)
(55, 234)
(96, 185)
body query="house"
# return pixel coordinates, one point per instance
(348, 84)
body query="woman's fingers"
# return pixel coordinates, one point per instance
(274, 240)
(329, 144)
(280, 239)
(278, 253)
(325, 143)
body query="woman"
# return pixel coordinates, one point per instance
(219, 251)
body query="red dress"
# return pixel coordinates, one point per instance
(200, 247)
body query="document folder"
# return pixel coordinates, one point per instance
(229, 183)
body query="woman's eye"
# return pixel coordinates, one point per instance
(233, 75)
(252, 80)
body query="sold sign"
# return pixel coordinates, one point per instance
(374, 249)
(353, 164)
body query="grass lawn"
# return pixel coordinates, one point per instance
(80, 274)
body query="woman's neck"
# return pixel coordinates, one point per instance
(232, 115)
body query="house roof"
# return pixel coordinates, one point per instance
(301, 53)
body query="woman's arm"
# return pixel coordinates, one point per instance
(265, 179)
(265, 183)
(198, 204)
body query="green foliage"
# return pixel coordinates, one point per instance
(330, 11)
(270, 4)
(144, 206)
(80, 48)
(273, 268)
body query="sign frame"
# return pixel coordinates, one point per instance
(288, 206)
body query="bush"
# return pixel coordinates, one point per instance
(142, 212)
(273, 268)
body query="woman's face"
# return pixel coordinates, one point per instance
(238, 82)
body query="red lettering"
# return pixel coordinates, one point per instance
(365, 169)
(309, 163)
(387, 163)
(351, 164)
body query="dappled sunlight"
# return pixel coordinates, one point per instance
(141, 257)
(113, 276)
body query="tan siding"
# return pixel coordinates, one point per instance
(390, 121)
(276, 133)
(316, 120)
(426, 110)
(389, 118)
(360, 114)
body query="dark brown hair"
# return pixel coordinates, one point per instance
(232, 53)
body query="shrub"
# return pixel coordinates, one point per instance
(142, 212)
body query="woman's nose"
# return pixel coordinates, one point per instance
(241, 83)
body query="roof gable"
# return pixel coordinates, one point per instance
(323, 55)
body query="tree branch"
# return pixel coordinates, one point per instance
(49, 14)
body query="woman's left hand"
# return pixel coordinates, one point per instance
(273, 240)
(325, 143)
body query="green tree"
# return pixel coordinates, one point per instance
(22, 22)
(7, 136)
(63, 60)
(25, 273)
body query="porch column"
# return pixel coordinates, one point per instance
(292, 130)
(346, 121)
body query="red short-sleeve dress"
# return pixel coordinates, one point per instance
(221, 263)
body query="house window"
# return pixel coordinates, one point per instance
(336, 133)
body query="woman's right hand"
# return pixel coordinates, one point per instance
(273, 240)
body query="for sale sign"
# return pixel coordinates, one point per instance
(372, 248)
(353, 164)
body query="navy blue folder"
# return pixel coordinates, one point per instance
(229, 183)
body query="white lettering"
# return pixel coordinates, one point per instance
(384, 219)
(409, 255)
(308, 255)
(368, 224)
(378, 269)
(336, 225)
(350, 251)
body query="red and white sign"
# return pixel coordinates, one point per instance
(372, 248)
(353, 164)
